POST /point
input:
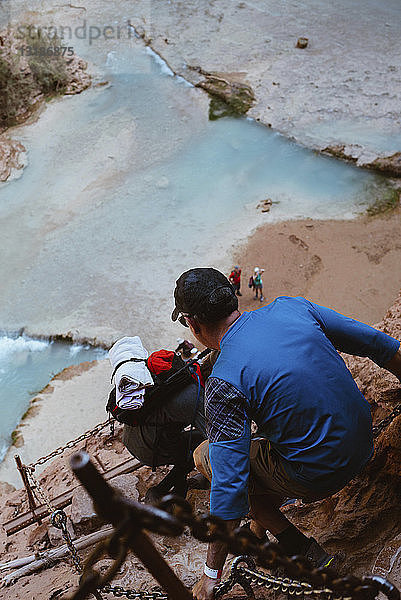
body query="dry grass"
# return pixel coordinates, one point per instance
(19, 85)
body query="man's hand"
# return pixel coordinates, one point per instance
(203, 590)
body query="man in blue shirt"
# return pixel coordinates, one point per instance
(278, 366)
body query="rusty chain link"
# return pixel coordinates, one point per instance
(298, 577)
(245, 576)
(118, 591)
(243, 542)
(73, 443)
(58, 517)
(377, 429)
(59, 520)
(37, 489)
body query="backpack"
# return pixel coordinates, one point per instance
(170, 374)
(250, 283)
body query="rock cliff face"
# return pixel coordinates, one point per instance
(364, 519)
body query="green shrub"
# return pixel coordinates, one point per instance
(386, 203)
(14, 92)
(48, 76)
(49, 71)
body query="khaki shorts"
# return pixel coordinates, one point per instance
(267, 475)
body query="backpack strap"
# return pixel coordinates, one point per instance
(188, 365)
(123, 363)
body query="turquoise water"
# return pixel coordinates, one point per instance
(130, 184)
(26, 366)
(127, 186)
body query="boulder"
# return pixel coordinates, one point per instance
(228, 97)
(83, 516)
(126, 484)
(302, 42)
(38, 537)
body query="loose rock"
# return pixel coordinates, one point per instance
(265, 205)
(302, 42)
(237, 98)
(10, 157)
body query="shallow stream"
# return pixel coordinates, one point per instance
(26, 366)
(129, 184)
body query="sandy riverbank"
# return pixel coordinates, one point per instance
(352, 266)
(72, 403)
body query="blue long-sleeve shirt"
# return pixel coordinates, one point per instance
(279, 367)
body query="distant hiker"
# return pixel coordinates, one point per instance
(278, 366)
(155, 414)
(235, 278)
(258, 283)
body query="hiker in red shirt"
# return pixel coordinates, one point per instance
(235, 279)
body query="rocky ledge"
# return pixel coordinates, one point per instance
(388, 165)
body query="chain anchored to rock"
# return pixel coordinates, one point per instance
(171, 517)
(59, 520)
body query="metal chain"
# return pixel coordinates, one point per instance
(37, 489)
(209, 528)
(377, 429)
(58, 517)
(245, 576)
(118, 591)
(305, 578)
(73, 443)
(59, 520)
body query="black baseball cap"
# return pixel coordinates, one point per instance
(204, 293)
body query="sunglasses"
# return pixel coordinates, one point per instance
(183, 319)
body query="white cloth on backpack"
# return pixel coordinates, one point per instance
(131, 378)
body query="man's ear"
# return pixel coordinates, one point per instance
(193, 324)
